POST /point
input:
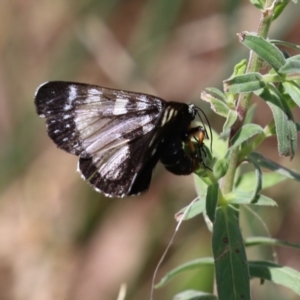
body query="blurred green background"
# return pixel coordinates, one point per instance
(58, 238)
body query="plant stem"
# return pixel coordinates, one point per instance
(243, 102)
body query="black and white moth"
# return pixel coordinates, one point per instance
(120, 136)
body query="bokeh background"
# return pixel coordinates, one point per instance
(58, 238)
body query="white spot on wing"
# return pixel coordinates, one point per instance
(132, 181)
(111, 169)
(142, 105)
(71, 97)
(120, 106)
(67, 117)
(94, 92)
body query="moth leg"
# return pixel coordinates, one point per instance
(182, 160)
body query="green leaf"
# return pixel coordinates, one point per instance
(191, 265)
(194, 295)
(219, 146)
(287, 98)
(245, 83)
(247, 180)
(292, 128)
(258, 3)
(240, 68)
(258, 182)
(216, 93)
(220, 168)
(276, 273)
(216, 100)
(284, 123)
(230, 120)
(292, 65)
(284, 43)
(258, 241)
(212, 201)
(191, 211)
(245, 133)
(264, 49)
(293, 89)
(250, 114)
(271, 165)
(250, 194)
(201, 187)
(279, 7)
(244, 197)
(230, 257)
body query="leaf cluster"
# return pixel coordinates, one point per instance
(274, 77)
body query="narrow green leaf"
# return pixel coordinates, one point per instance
(258, 241)
(201, 186)
(284, 123)
(282, 129)
(276, 273)
(219, 145)
(292, 65)
(193, 210)
(245, 83)
(216, 93)
(244, 197)
(271, 165)
(250, 195)
(250, 114)
(212, 201)
(267, 51)
(245, 133)
(194, 295)
(258, 3)
(293, 89)
(284, 43)
(240, 68)
(279, 7)
(230, 120)
(216, 101)
(293, 138)
(246, 181)
(191, 265)
(231, 266)
(258, 182)
(263, 200)
(220, 168)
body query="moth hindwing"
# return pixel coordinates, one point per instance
(118, 135)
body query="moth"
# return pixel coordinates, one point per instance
(119, 135)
